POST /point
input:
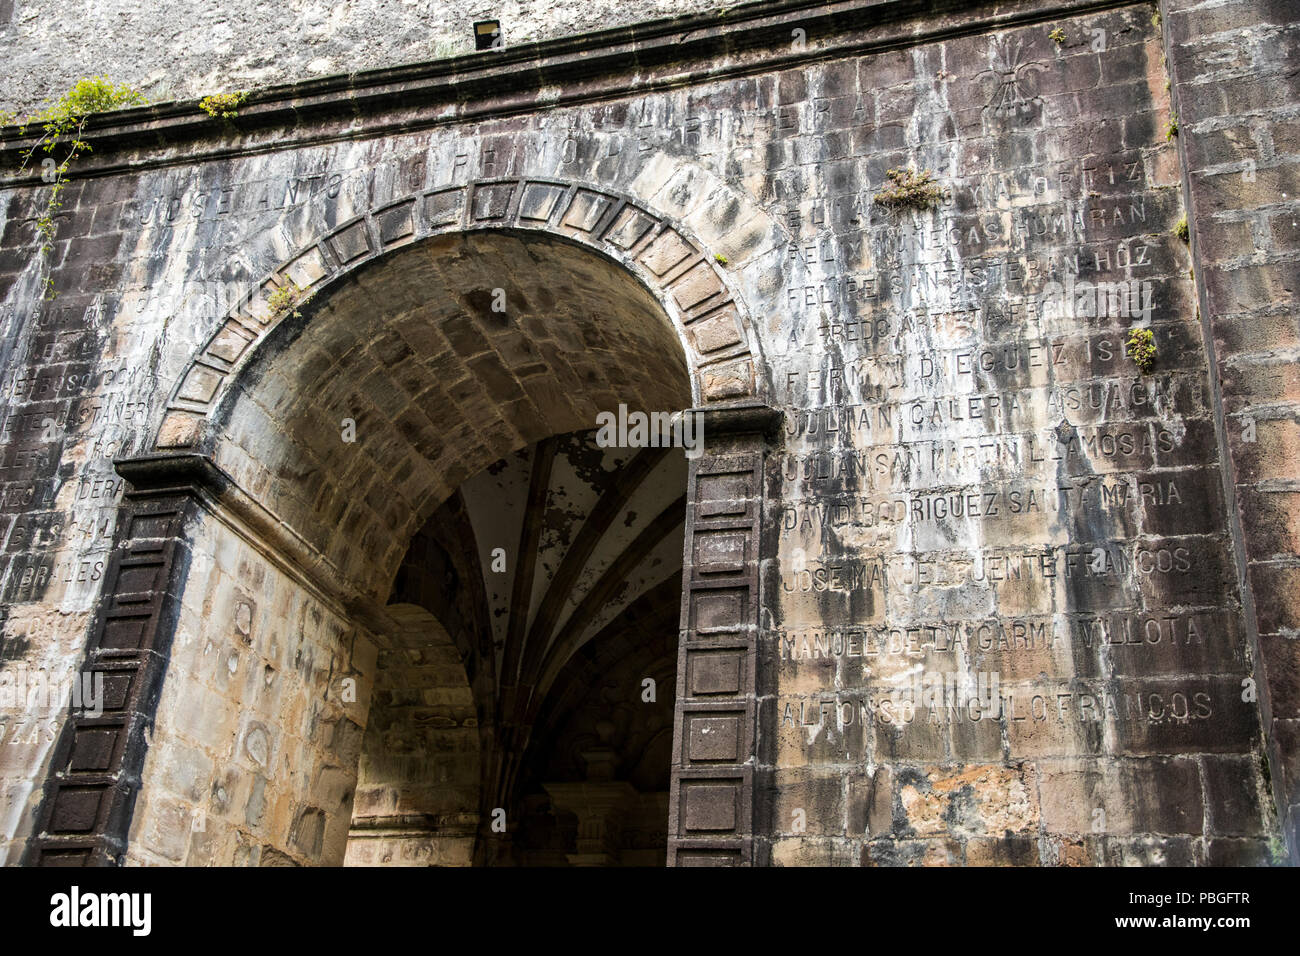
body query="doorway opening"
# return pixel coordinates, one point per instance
(524, 713)
(427, 428)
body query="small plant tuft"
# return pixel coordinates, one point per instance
(1057, 36)
(1277, 850)
(911, 190)
(720, 259)
(1182, 231)
(1172, 129)
(223, 105)
(287, 299)
(1141, 348)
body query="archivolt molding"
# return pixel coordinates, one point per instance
(717, 334)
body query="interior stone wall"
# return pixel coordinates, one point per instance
(254, 757)
(417, 795)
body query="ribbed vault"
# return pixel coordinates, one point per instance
(555, 572)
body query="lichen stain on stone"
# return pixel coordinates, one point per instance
(976, 800)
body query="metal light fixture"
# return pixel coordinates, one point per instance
(487, 35)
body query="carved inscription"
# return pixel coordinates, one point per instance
(977, 482)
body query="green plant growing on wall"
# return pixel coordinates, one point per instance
(63, 125)
(1277, 850)
(1172, 129)
(910, 190)
(287, 299)
(720, 259)
(1141, 348)
(1057, 36)
(223, 105)
(1182, 231)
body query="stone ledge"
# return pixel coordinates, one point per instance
(740, 418)
(594, 65)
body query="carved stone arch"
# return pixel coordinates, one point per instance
(185, 519)
(691, 282)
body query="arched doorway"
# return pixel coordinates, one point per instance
(415, 425)
(422, 420)
(308, 445)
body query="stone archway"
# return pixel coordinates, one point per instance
(256, 550)
(688, 281)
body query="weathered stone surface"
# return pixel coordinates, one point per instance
(959, 582)
(242, 46)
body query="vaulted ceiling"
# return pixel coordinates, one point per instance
(556, 572)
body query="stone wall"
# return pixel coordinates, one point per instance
(255, 754)
(1008, 607)
(417, 796)
(1238, 99)
(180, 51)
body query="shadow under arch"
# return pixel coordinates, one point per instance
(365, 409)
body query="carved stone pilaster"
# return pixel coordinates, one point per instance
(94, 775)
(711, 805)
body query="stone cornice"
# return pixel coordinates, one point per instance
(739, 418)
(223, 498)
(530, 77)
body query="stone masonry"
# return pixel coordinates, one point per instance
(958, 579)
